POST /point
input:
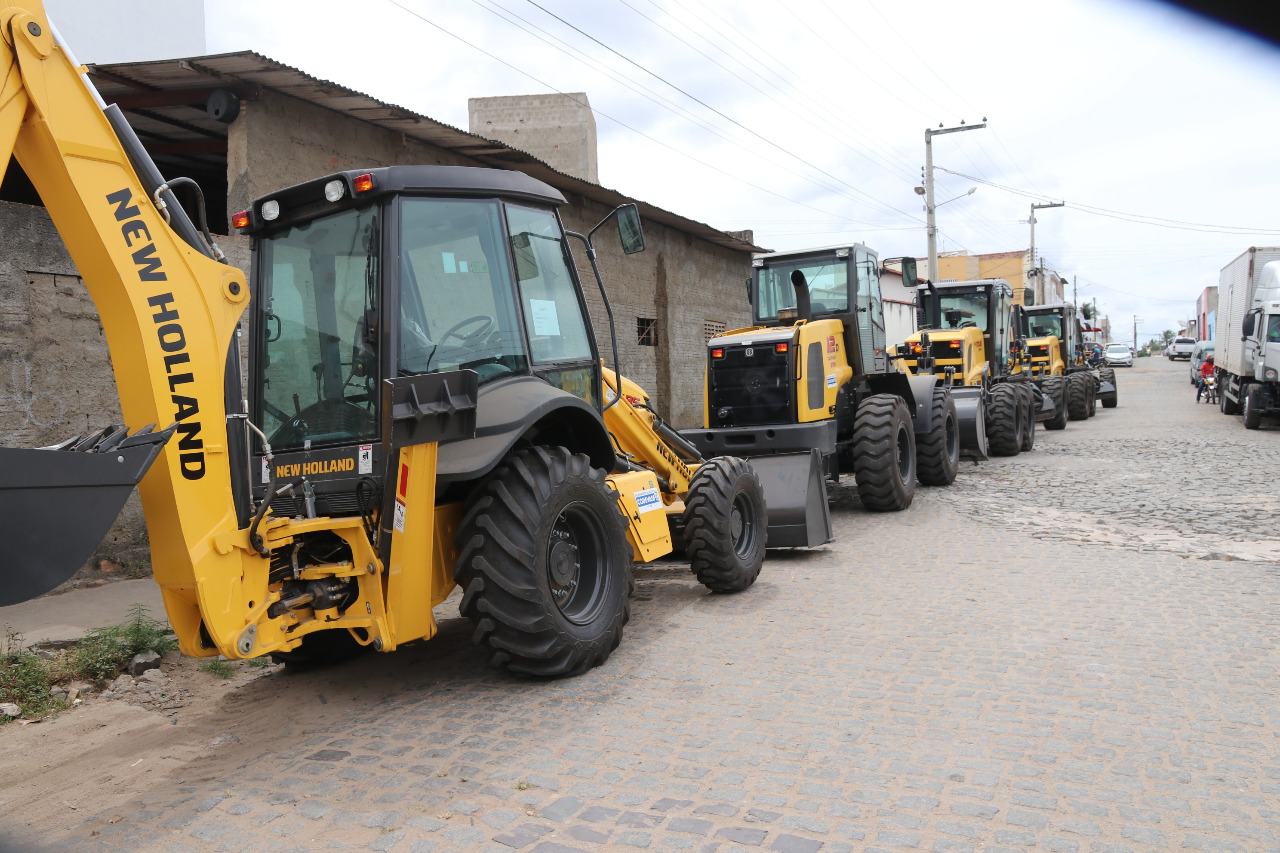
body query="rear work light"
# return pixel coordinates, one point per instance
(780, 347)
(955, 345)
(240, 220)
(717, 353)
(363, 183)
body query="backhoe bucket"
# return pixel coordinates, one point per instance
(57, 504)
(795, 493)
(972, 416)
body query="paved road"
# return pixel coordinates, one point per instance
(1071, 650)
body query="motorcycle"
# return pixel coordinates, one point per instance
(1209, 393)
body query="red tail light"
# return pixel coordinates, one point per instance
(240, 220)
(363, 183)
(717, 353)
(780, 347)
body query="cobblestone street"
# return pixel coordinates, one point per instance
(1069, 650)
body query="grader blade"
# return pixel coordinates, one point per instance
(795, 494)
(971, 414)
(57, 503)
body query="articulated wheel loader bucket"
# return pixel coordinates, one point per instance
(795, 493)
(972, 417)
(57, 504)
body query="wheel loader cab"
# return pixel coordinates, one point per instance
(969, 329)
(412, 272)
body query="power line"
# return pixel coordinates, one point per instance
(619, 122)
(718, 112)
(1128, 217)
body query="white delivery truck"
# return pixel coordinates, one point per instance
(1247, 356)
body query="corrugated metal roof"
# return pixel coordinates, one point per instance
(164, 101)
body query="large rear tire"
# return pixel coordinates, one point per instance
(1055, 388)
(938, 451)
(725, 524)
(1091, 396)
(884, 453)
(1078, 389)
(1004, 420)
(544, 564)
(1224, 402)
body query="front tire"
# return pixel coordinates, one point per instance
(1251, 410)
(1056, 388)
(1004, 421)
(938, 451)
(1077, 397)
(725, 523)
(1028, 417)
(1224, 402)
(544, 564)
(884, 453)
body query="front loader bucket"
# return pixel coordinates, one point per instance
(972, 416)
(795, 493)
(57, 504)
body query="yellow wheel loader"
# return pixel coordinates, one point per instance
(1055, 347)
(810, 390)
(973, 335)
(426, 407)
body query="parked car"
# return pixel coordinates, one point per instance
(1118, 354)
(1202, 349)
(1180, 348)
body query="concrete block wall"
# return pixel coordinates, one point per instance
(56, 376)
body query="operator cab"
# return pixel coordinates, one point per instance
(405, 271)
(982, 304)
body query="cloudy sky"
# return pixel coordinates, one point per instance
(804, 119)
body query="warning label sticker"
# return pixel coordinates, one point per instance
(398, 518)
(831, 380)
(365, 460)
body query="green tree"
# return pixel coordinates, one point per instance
(1168, 336)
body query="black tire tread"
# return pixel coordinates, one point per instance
(498, 555)
(708, 541)
(881, 485)
(1077, 393)
(935, 464)
(1004, 406)
(1056, 387)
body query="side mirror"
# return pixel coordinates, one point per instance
(526, 260)
(909, 272)
(630, 231)
(749, 292)
(1247, 326)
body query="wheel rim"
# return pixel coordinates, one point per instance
(577, 554)
(904, 455)
(742, 524)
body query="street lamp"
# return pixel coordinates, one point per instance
(971, 191)
(927, 189)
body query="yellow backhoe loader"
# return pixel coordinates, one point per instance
(426, 406)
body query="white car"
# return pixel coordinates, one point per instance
(1117, 354)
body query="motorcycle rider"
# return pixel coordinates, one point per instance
(1206, 370)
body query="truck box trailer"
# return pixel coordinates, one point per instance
(1248, 335)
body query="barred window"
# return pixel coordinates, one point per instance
(646, 332)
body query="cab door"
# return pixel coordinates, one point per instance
(870, 313)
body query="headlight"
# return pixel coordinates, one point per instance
(1271, 374)
(270, 210)
(334, 190)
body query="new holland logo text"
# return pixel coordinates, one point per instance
(311, 469)
(173, 341)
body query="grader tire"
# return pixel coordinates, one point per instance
(1078, 388)
(544, 564)
(1004, 420)
(884, 453)
(725, 524)
(1028, 417)
(938, 451)
(1110, 398)
(1092, 395)
(1056, 388)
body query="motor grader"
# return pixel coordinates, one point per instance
(425, 408)
(810, 390)
(1055, 347)
(973, 336)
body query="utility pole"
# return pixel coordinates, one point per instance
(1136, 318)
(1038, 267)
(1074, 292)
(932, 229)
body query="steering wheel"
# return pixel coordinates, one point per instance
(484, 325)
